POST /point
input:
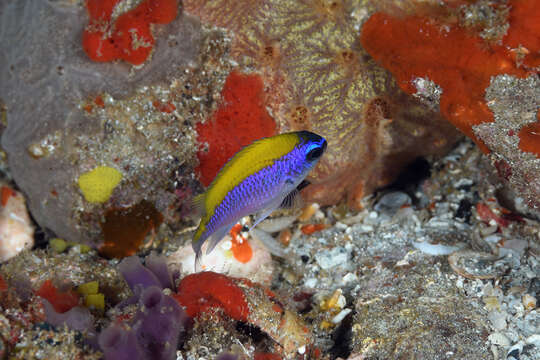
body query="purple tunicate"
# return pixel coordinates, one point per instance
(119, 344)
(158, 324)
(158, 265)
(156, 328)
(77, 318)
(151, 298)
(136, 274)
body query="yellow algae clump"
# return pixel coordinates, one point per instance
(98, 184)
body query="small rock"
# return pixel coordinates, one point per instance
(500, 339)
(515, 350)
(390, 203)
(497, 319)
(349, 277)
(332, 258)
(534, 340)
(308, 212)
(516, 244)
(16, 229)
(310, 283)
(276, 224)
(340, 316)
(529, 302)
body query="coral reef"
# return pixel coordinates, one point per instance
(514, 143)
(405, 306)
(60, 301)
(464, 65)
(318, 77)
(442, 263)
(346, 285)
(66, 114)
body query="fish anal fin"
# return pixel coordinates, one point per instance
(197, 248)
(217, 236)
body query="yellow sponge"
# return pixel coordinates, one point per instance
(98, 184)
(89, 288)
(97, 301)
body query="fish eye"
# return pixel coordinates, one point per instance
(314, 154)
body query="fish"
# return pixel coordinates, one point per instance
(259, 179)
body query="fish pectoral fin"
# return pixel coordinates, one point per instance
(293, 200)
(217, 236)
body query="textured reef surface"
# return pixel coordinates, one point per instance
(419, 236)
(484, 60)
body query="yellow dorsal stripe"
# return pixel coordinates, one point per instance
(246, 162)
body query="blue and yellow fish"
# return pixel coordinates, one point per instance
(258, 179)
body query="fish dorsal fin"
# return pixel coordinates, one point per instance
(198, 205)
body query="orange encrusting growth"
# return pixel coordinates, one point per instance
(524, 32)
(3, 284)
(164, 107)
(204, 291)
(529, 137)
(461, 63)
(241, 249)
(125, 229)
(266, 356)
(309, 229)
(129, 37)
(241, 119)
(61, 301)
(6, 193)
